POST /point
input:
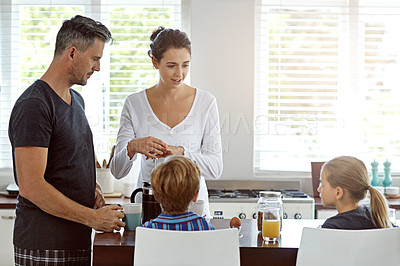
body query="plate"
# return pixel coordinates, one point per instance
(393, 196)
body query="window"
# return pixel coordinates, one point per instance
(327, 77)
(28, 31)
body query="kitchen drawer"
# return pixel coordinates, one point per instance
(7, 218)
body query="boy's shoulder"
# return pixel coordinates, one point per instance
(188, 221)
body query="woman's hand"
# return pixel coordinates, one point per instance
(149, 146)
(174, 150)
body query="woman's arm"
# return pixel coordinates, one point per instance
(209, 159)
(121, 164)
(128, 145)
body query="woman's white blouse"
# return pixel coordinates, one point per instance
(198, 133)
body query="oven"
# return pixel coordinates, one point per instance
(225, 204)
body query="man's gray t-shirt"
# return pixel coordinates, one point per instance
(41, 118)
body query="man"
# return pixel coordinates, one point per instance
(53, 156)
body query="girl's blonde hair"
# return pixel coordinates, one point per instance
(351, 174)
(175, 182)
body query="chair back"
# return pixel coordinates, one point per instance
(333, 247)
(166, 247)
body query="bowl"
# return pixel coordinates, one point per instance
(391, 191)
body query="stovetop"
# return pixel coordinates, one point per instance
(242, 203)
(252, 194)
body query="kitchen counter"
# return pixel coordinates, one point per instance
(393, 203)
(8, 202)
(118, 248)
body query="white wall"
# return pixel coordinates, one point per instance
(222, 34)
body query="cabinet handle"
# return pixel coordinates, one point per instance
(8, 217)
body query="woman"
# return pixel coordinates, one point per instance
(170, 118)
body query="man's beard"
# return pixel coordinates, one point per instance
(75, 78)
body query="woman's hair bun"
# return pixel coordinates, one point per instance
(156, 32)
(162, 39)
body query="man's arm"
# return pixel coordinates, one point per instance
(100, 201)
(31, 165)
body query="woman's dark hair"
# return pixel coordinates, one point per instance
(162, 39)
(80, 32)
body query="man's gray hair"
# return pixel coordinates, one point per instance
(80, 32)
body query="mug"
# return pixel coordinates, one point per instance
(133, 215)
(392, 215)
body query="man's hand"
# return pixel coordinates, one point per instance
(108, 218)
(31, 165)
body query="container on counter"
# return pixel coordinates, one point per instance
(269, 202)
(105, 180)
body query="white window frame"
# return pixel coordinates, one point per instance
(264, 129)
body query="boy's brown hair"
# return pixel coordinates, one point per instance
(175, 183)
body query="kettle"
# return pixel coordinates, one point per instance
(151, 208)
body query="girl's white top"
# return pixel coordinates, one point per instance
(198, 133)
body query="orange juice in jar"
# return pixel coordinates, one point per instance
(268, 200)
(271, 226)
(271, 229)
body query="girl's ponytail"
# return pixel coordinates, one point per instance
(351, 174)
(379, 209)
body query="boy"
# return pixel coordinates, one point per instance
(175, 184)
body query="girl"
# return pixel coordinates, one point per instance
(344, 182)
(170, 118)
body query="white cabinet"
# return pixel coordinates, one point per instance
(7, 218)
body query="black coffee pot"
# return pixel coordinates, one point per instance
(150, 207)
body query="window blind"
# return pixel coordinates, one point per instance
(131, 69)
(27, 44)
(28, 31)
(326, 83)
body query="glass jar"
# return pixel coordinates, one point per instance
(268, 203)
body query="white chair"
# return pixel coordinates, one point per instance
(349, 247)
(165, 247)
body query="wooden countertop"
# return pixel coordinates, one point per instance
(7, 202)
(118, 248)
